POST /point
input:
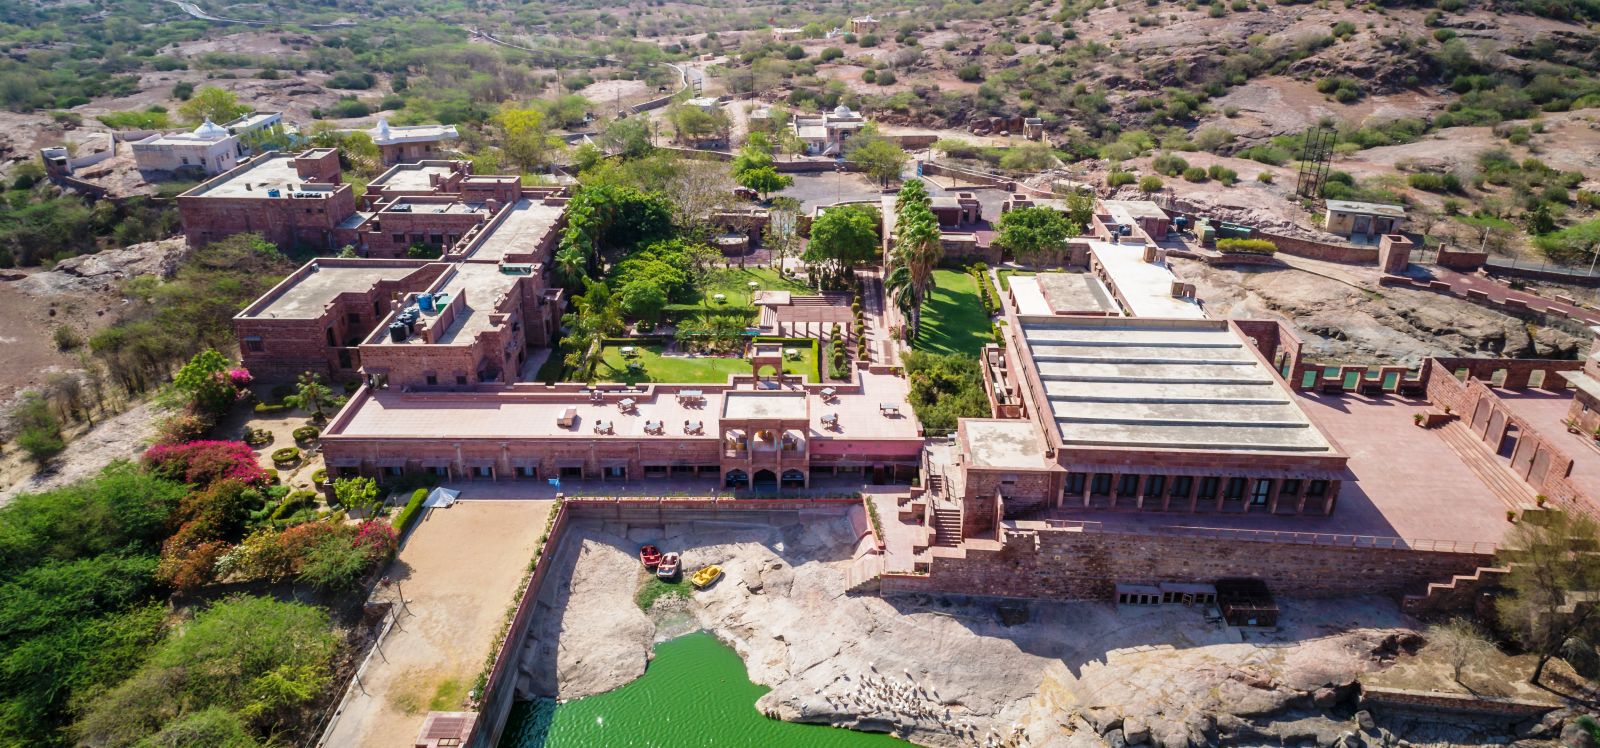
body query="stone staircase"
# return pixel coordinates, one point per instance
(947, 526)
(936, 484)
(1487, 466)
(863, 574)
(1456, 595)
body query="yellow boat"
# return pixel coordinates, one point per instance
(703, 577)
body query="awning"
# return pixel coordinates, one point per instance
(441, 497)
(1203, 472)
(390, 462)
(435, 462)
(479, 462)
(331, 461)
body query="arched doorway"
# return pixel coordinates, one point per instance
(737, 479)
(794, 479)
(765, 480)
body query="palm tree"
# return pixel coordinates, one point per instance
(917, 252)
(898, 287)
(572, 262)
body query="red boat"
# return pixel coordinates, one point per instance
(668, 568)
(649, 556)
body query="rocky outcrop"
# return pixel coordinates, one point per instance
(102, 271)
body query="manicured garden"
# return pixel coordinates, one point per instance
(734, 285)
(953, 318)
(652, 366)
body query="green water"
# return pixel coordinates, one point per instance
(695, 693)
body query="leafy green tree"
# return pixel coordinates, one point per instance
(524, 137)
(628, 137)
(1554, 574)
(642, 298)
(334, 563)
(218, 105)
(255, 657)
(878, 156)
(202, 385)
(764, 180)
(842, 238)
(944, 389)
(311, 395)
(38, 431)
(1030, 233)
(356, 493)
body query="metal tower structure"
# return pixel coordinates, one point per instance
(1314, 157)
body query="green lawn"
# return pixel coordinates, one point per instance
(953, 320)
(683, 370)
(735, 284)
(1006, 274)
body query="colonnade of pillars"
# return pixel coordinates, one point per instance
(1198, 494)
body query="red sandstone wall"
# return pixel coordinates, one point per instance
(1087, 565)
(1322, 250)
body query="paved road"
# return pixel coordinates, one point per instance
(194, 10)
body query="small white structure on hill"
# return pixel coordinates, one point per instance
(825, 134)
(208, 149)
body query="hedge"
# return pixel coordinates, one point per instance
(270, 407)
(286, 454)
(306, 433)
(402, 521)
(1246, 246)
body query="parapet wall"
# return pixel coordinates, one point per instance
(1324, 251)
(1077, 563)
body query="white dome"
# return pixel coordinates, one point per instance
(211, 131)
(383, 127)
(843, 111)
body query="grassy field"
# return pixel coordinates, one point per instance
(680, 369)
(953, 320)
(735, 284)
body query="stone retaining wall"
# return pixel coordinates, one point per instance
(1510, 710)
(1325, 251)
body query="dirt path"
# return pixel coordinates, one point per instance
(459, 570)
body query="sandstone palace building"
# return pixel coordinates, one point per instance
(1136, 447)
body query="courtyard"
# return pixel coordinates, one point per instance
(459, 570)
(654, 362)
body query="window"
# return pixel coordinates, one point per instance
(330, 337)
(432, 380)
(1181, 486)
(461, 380)
(1262, 493)
(1128, 485)
(1236, 488)
(1101, 484)
(353, 318)
(1291, 487)
(253, 344)
(483, 472)
(345, 359)
(398, 238)
(377, 309)
(1208, 488)
(527, 471)
(393, 471)
(1317, 489)
(1155, 485)
(439, 472)
(185, 160)
(1075, 483)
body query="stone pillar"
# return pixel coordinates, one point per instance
(1139, 492)
(1394, 253)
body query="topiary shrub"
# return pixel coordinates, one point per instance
(319, 476)
(257, 438)
(412, 510)
(286, 456)
(1246, 246)
(306, 433)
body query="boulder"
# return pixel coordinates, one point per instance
(1136, 730)
(1116, 740)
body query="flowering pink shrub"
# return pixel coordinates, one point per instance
(204, 462)
(240, 377)
(377, 539)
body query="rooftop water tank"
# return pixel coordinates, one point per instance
(397, 332)
(274, 192)
(425, 302)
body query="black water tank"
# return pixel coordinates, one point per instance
(397, 332)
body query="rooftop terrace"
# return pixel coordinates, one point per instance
(415, 177)
(1145, 287)
(534, 411)
(268, 171)
(523, 226)
(1175, 384)
(1072, 292)
(483, 285)
(305, 296)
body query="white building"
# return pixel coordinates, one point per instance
(209, 149)
(412, 143)
(825, 134)
(253, 122)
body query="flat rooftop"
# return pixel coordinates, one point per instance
(788, 406)
(444, 415)
(436, 207)
(412, 177)
(523, 227)
(1073, 292)
(1125, 209)
(269, 171)
(1164, 384)
(1145, 287)
(1377, 209)
(308, 296)
(1428, 495)
(1005, 443)
(484, 286)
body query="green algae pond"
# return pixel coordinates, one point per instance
(695, 692)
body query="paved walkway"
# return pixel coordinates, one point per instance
(459, 570)
(1460, 283)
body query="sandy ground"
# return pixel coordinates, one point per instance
(941, 671)
(121, 437)
(459, 570)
